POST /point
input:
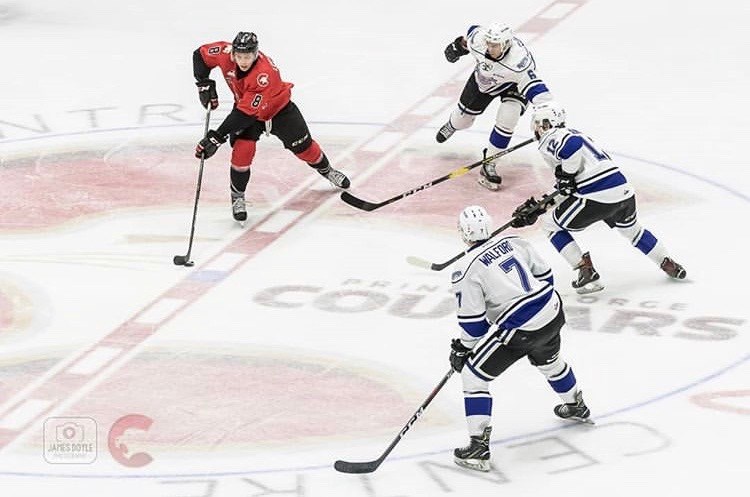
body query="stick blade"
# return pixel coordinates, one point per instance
(356, 467)
(358, 202)
(419, 262)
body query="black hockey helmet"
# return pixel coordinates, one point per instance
(245, 42)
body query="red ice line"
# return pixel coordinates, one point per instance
(63, 384)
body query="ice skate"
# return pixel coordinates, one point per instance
(445, 132)
(476, 455)
(576, 411)
(489, 178)
(588, 279)
(239, 211)
(673, 269)
(336, 177)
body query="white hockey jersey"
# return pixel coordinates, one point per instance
(506, 283)
(517, 67)
(597, 176)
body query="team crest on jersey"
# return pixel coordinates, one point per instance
(214, 50)
(263, 79)
(456, 275)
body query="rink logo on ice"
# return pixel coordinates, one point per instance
(70, 440)
(115, 440)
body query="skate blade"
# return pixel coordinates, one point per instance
(475, 464)
(241, 223)
(586, 421)
(590, 288)
(488, 184)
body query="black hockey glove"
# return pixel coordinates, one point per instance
(566, 182)
(527, 213)
(207, 93)
(455, 50)
(209, 145)
(459, 355)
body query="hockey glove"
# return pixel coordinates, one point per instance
(527, 213)
(207, 93)
(209, 145)
(459, 355)
(566, 182)
(455, 50)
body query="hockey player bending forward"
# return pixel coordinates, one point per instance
(504, 69)
(595, 190)
(262, 103)
(505, 286)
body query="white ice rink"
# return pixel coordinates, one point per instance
(305, 337)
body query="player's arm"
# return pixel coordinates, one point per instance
(472, 319)
(471, 311)
(205, 59)
(532, 87)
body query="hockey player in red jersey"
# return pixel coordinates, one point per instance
(262, 103)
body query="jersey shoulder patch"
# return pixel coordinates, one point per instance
(456, 275)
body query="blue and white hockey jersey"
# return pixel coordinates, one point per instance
(517, 67)
(506, 283)
(597, 176)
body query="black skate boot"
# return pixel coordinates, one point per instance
(445, 132)
(489, 178)
(587, 281)
(476, 455)
(673, 269)
(576, 411)
(336, 177)
(239, 211)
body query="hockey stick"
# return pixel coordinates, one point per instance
(184, 260)
(370, 466)
(546, 199)
(371, 206)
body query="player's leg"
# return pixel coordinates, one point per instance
(243, 151)
(625, 221)
(512, 106)
(573, 214)
(291, 128)
(487, 362)
(545, 355)
(471, 104)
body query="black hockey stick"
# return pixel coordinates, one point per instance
(546, 199)
(371, 206)
(370, 466)
(184, 260)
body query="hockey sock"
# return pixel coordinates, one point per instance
(565, 244)
(561, 378)
(238, 181)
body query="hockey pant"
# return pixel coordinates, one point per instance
(500, 351)
(289, 126)
(577, 213)
(473, 103)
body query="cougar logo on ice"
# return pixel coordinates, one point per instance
(263, 79)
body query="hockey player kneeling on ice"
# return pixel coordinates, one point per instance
(262, 103)
(504, 69)
(595, 190)
(505, 290)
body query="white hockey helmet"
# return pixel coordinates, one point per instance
(545, 117)
(474, 224)
(499, 33)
